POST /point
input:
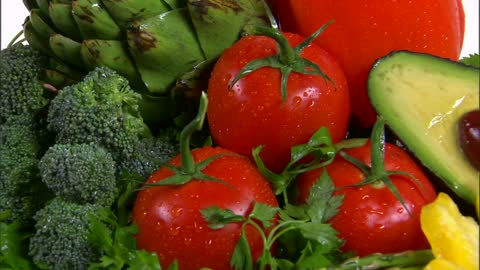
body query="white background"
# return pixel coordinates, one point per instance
(14, 13)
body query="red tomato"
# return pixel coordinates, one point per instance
(171, 224)
(371, 219)
(365, 30)
(252, 112)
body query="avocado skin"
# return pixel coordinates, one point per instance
(422, 97)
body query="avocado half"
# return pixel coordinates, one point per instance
(422, 97)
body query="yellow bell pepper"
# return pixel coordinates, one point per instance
(452, 236)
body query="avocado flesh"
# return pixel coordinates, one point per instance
(422, 97)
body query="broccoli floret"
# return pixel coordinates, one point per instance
(61, 236)
(150, 153)
(80, 173)
(20, 90)
(101, 109)
(22, 192)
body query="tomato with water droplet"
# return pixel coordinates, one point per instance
(170, 222)
(371, 218)
(252, 112)
(365, 30)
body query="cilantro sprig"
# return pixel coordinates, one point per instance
(306, 223)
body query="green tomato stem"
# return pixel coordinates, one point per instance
(286, 53)
(188, 162)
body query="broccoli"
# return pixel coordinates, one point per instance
(61, 236)
(21, 191)
(101, 109)
(20, 89)
(80, 173)
(150, 153)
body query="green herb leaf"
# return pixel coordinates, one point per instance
(322, 234)
(472, 60)
(14, 247)
(118, 244)
(242, 257)
(263, 213)
(218, 218)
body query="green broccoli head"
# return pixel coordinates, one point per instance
(20, 89)
(80, 173)
(101, 109)
(22, 192)
(61, 236)
(149, 154)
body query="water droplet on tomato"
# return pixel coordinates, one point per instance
(187, 241)
(296, 101)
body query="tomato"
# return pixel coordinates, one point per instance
(371, 219)
(171, 224)
(365, 30)
(252, 113)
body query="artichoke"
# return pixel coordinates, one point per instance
(153, 43)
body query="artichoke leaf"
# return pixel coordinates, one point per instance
(66, 49)
(219, 23)
(110, 53)
(40, 24)
(61, 16)
(57, 78)
(43, 7)
(94, 21)
(176, 3)
(30, 4)
(126, 11)
(163, 48)
(36, 40)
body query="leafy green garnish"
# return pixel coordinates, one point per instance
(14, 247)
(118, 245)
(472, 60)
(303, 224)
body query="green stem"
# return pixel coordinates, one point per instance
(286, 53)
(413, 258)
(15, 38)
(378, 148)
(188, 162)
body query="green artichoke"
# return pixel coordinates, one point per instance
(153, 43)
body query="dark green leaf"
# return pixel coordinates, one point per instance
(242, 257)
(322, 234)
(320, 145)
(218, 218)
(173, 266)
(322, 205)
(143, 260)
(290, 212)
(472, 60)
(263, 213)
(14, 247)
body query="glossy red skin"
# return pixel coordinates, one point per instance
(372, 219)
(252, 113)
(365, 30)
(169, 218)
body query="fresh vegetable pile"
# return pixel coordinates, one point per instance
(203, 135)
